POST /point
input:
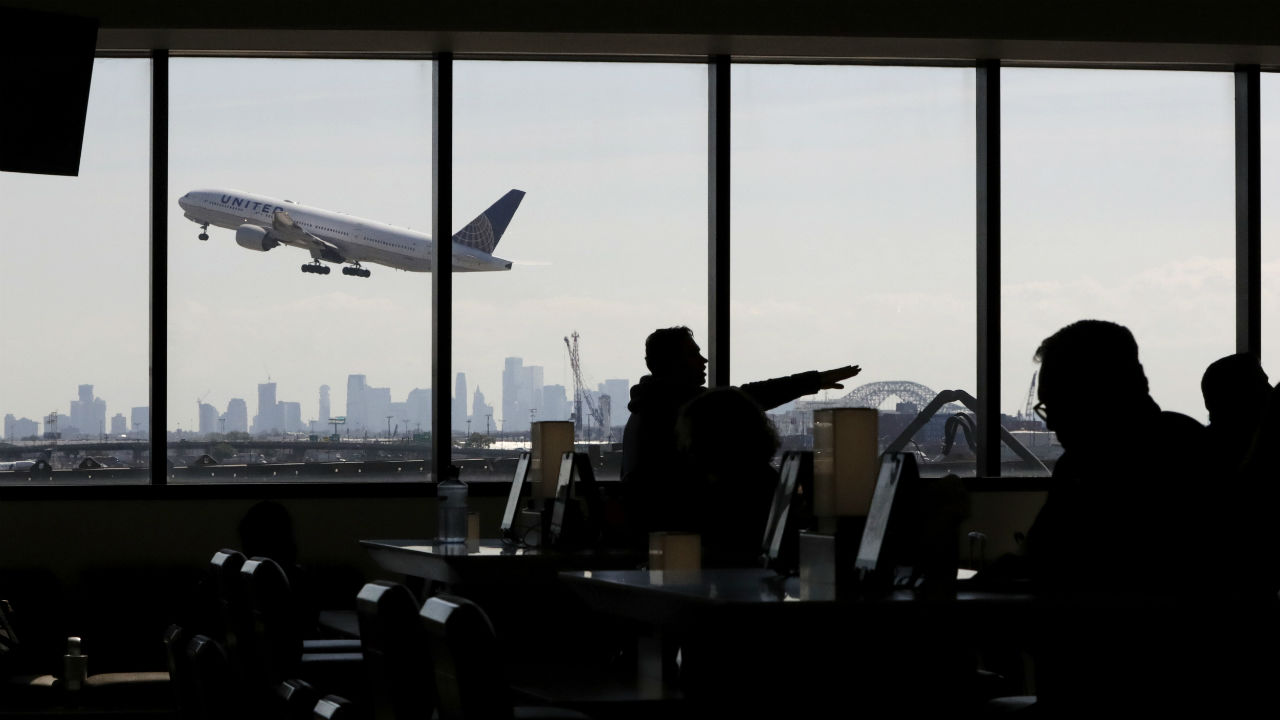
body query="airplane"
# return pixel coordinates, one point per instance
(261, 223)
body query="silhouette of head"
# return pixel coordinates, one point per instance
(1235, 390)
(1090, 378)
(266, 530)
(723, 429)
(672, 354)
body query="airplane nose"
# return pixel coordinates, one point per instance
(182, 202)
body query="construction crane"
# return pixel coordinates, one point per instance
(580, 394)
(1029, 412)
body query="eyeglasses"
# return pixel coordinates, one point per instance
(1041, 411)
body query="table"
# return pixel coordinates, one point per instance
(486, 563)
(747, 638)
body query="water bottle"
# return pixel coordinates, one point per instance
(451, 519)
(75, 666)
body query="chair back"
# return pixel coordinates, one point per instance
(276, 634)
(470, 684)
(333, 707)
(395, 652)
(181, 672)
(232, 613)
(295, 700)
(216, 692)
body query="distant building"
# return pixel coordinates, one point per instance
(418, 406)
(323, 412)
(511, 405)
(481, 413)
(619, 392)
(268, 418)
(119, 426)
(16, 429)
(208, 422)
(291, 416)
(357, 406)
(555, 403)
(458, 416)
(378, 405)
(88, 414)
(140, 420)
(237, 416)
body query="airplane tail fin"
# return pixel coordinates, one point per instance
(486, 230)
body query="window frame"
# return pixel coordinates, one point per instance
(1247, 289)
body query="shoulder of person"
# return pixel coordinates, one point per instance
(1176, 422)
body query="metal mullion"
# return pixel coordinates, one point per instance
(441, 261)
(718, 222)
(988, 266)
(1248, 212)
(159, 335)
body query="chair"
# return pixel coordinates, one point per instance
(470, 681)
(395, 652)
(181, 671)
(215, 690)
(334, 707)
(233, 605)
(278, 652)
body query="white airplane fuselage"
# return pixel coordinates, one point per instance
(347, 239)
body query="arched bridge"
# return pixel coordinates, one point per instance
(873, 395)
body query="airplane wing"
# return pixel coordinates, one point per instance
(285, 230)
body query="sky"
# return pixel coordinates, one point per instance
(852, 201)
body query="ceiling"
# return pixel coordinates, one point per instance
(1115, 32)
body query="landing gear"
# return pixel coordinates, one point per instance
(316, 268)
(204, 232)
(356, 271)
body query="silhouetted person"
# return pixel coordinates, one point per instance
(651, 472)
(727, 444)
(266, 530)
(1236, 391)
(1129, 531)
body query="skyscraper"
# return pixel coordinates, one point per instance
(140, 419)
(88, 414)
(290, 416)
(619, 392)
(208, 420)
(323, 412)
(481, 413)
(237, 416)
(357, 405)
(268, 417)
(458, 418)
(511, 406)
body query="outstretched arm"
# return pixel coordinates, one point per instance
(830, 379)
(769, 394)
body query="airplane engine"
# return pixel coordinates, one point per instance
(253, 237)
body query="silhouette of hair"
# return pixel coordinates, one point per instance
(1093, 353)
(663, 347)
(1235, 384)
(266, 530)
(724, 426)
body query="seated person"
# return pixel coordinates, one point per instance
(726, 443)
(677, 374)
(1236, 391)
(1129, 532)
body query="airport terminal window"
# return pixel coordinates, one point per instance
(1118, 204)
(1270, 111)
(261, 346)
(609, 241)
(852, 229)
(74, 297)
